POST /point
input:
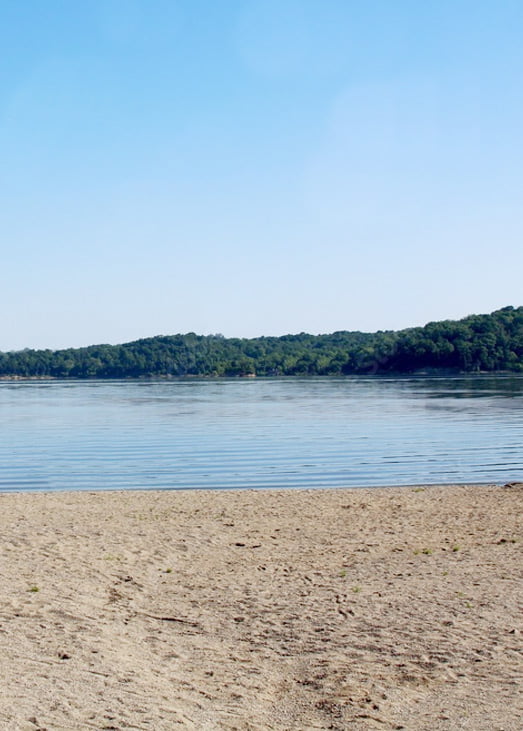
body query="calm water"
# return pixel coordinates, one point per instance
(259, 433)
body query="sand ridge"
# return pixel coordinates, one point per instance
(389, 608)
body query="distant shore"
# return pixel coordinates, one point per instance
(477, 343)
(424, 373)
(376, 608)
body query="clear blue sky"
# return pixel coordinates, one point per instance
(256, 167)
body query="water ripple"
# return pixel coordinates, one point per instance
(259, 433)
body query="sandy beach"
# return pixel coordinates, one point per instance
(395, 608)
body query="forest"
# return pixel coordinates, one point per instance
(474, 344)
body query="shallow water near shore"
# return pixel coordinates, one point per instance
(260, 433)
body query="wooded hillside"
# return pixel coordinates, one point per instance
(476, 343)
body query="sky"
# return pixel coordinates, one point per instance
(256, 167)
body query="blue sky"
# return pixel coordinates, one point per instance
(256, 167)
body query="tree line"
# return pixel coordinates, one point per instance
(476, 343)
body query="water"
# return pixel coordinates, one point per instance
(258, 433)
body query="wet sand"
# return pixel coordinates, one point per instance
(396, 608)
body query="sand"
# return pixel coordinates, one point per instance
(316, 609)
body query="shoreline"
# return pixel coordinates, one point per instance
(421, 374)
(411, 486)
(323, 608)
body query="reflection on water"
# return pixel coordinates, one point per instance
(260, 433)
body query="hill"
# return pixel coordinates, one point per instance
(476, 343)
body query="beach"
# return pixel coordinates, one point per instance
(377, 608)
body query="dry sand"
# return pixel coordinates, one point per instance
(326, 609)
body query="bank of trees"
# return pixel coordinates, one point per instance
(477, 343)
